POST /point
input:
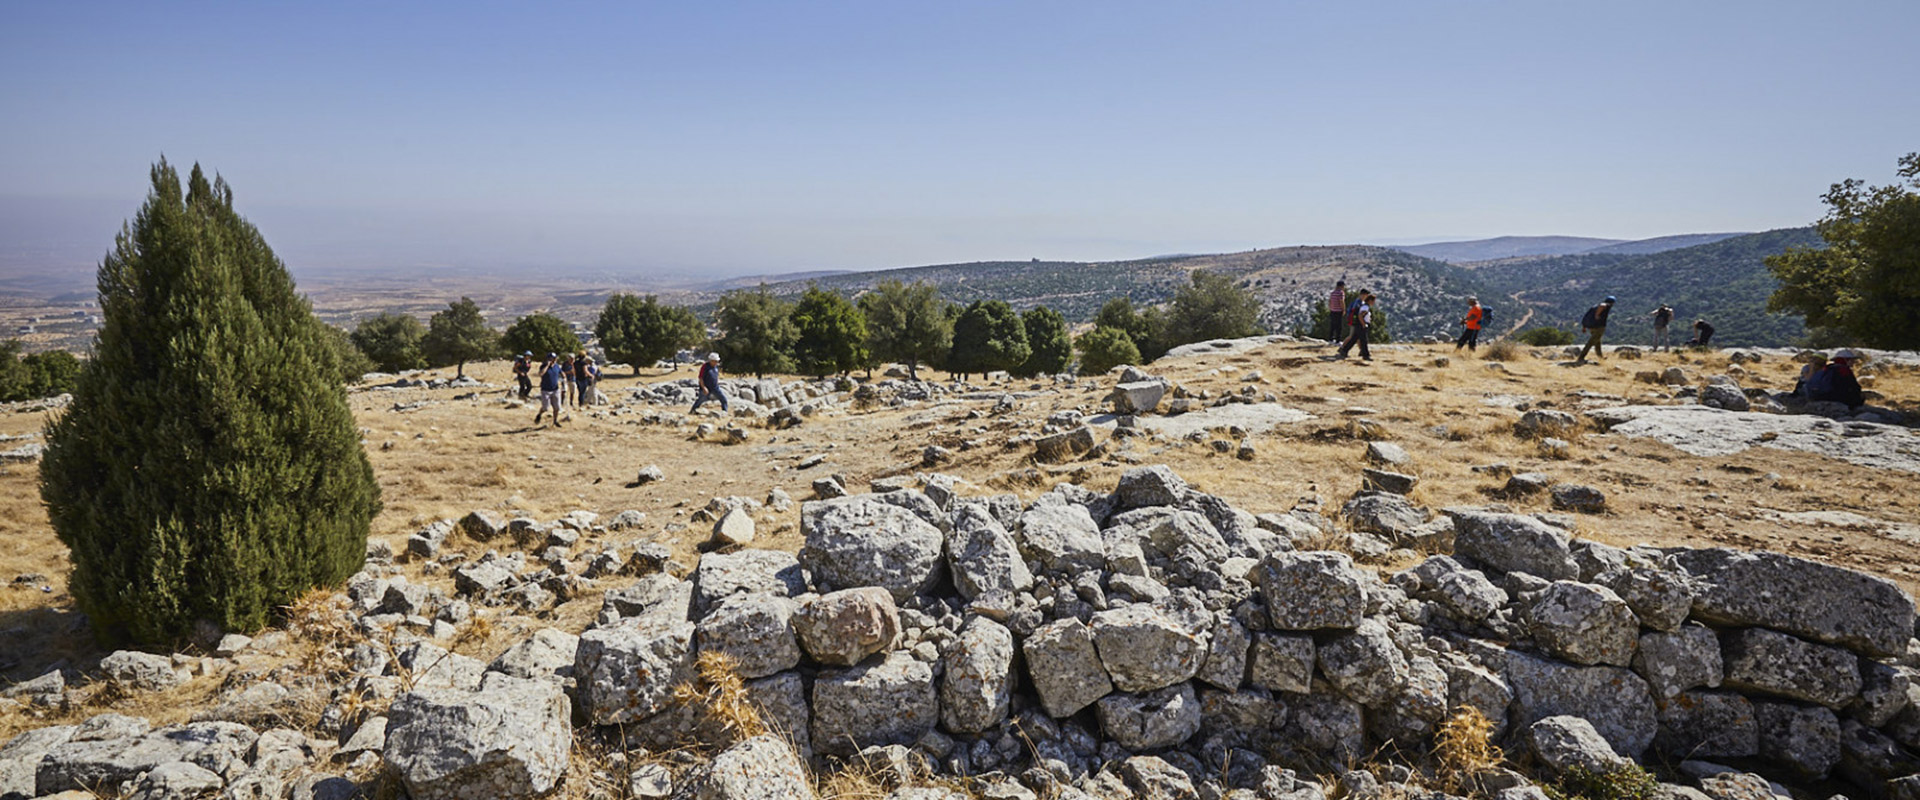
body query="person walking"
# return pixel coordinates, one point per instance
(522, 365)
(1662, 316)
(585, 375)
(1471, 336)
(1595, 324)
(1702, 334)
(1359, 319)
(710, 384)
(1336, 310)
(552, 375)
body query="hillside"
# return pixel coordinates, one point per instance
(1660, 244)
(1508, 247)
(1726, 282)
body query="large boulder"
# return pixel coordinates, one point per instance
(1064, 667)
(1312, 590)
(659, 594)
(1584, 624)
(841, 628)
(1150, 721)
(1564, 743)
(760, 768)
(1770, 662)
(1137, 397)
(1805, 739)
(863, 541)
(108, 757)
(143, 671)
(1062, 537)
(755, 630)
(1144, 649)
(983, 556)
(1615, 700)
(977, 679)
(723, 575)
(1387, 513)
(1675, 662)
(511, 739)
(1282, 663)
(1364, 664)
(1513, 543)
(1707, 725)
(891, 701)
(546, 655)
(1066, 445)
(1816, 601)
(21, 754)
(627, 672)
(1157, 485)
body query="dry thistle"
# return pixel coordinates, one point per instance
(1463, 748)
(720, 694)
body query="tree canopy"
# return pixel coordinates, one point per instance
(459, 335)
(1052, 349)
(830, 333)
(539, 334)
(208, 470)
(988, 336)
(391, 341)
(755, 332)
(1147, 329)
(907, 323)
(1865, 284)
(640, 332)
(1212, 306)
(1104, 348)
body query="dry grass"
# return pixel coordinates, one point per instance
(1463, 750)
(720, 695)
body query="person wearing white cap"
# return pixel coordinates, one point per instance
(1836, 383)
(710, 384)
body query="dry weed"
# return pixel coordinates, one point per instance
(720, 694)
(1463, 750)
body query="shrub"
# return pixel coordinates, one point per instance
(208, 469)
(1502, 350)
(1544, 337)
(1104, 348)
(392, 341)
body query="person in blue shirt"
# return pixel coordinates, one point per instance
(710, 384)
(552, 377)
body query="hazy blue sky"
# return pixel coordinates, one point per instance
(725, 138)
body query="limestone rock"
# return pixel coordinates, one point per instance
(1062, 537)
(1770, 662)
(1707, 725)
(1064, 667)
(548, 654)
(983, 555)
(1806, 598)
(723, 575)
(1805, 739)
(885, 702)
(1311, 591)
(1563, 743)
(733, 529)
(1616, 701)
(1513, 543)
(862, 541)
(976, 683)
(1150, 486)
(1144, 649)
(755, 630)
(1157, 719)
(1675, 662)
(760, 768)
(142, 671)
(627, 672)
(1364, 664)
(1282, 663)
(1137, 397)
(510, 739)
(1584, 624)
(841, 628)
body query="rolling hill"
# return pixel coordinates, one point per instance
(1507, 247)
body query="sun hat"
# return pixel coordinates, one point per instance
(713, 356)
(1846, 353)
(1609, 298)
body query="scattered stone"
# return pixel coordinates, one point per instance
(761, 768)
(143, 671)
(1563, 743)
(510, 739)
(1578, 497)
(650, 473)
(733, 529)
(1376, 480)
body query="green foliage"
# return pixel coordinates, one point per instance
(1319, 321)
(1630, 782)
(756, 333)
(907, 323)
(1212, 306)
(1104, 348)
(1146, 329)
(208, 468)
(1052, 349)
(641, 332)
(988, 336)
(1544, 337)
(1866, 282)
(391, 341)
(35, 375)
(460, 334)
(1379, 332)
(353, 363)
(16, 379)
(830, 334)
(540, 334)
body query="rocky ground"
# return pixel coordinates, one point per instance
(996, 588)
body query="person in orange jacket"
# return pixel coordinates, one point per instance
(1471, 336)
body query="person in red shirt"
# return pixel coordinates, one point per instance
(1336, 311)
(1471, 336)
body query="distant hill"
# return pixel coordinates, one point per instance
(1660, 244)
(1726, 282)
(1508, 247)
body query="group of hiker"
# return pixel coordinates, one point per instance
(569, 378)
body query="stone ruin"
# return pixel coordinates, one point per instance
(1150, 642)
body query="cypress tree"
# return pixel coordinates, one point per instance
(988, 336)
(208, 469)
(1047, 337)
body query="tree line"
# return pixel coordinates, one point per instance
(35, 375)
(823, 332)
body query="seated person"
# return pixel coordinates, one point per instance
(1806, 373)
(1836, 383)
(1702, 333)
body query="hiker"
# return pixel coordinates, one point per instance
(1702, 333)
(585, 376)
(1336, 310)
(1595, 324)
(1359, 318)
(551, 375)
(1836, 382)
(523, 364)
(566, 380)
(710, 384)
(1471, 336)
(1807, 372)
(1661, 317)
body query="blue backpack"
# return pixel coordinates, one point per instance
(1820, 384)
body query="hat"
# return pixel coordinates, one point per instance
(1473, 299)
(1339, 283)
(713, 356)
(1846, 353)
(1609, 298)
(553, 355)
(528, 353)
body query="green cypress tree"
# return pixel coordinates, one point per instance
(642, 332)
(756, 332)
(208, 470)
(987, 336)
(907, 323)
(459, 335)
(1104, 348)
(1047, 336)
(830, 334)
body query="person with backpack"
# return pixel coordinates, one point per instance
(1662, 316)
(1595, 325)
(1336, 310)
(1359, 319)
(1836, 383)
(1702, 333)
(552, 376)
(1476, 317)
(522, 365)
(585, 375)
(710, 384)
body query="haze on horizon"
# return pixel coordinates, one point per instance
(722, 139)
